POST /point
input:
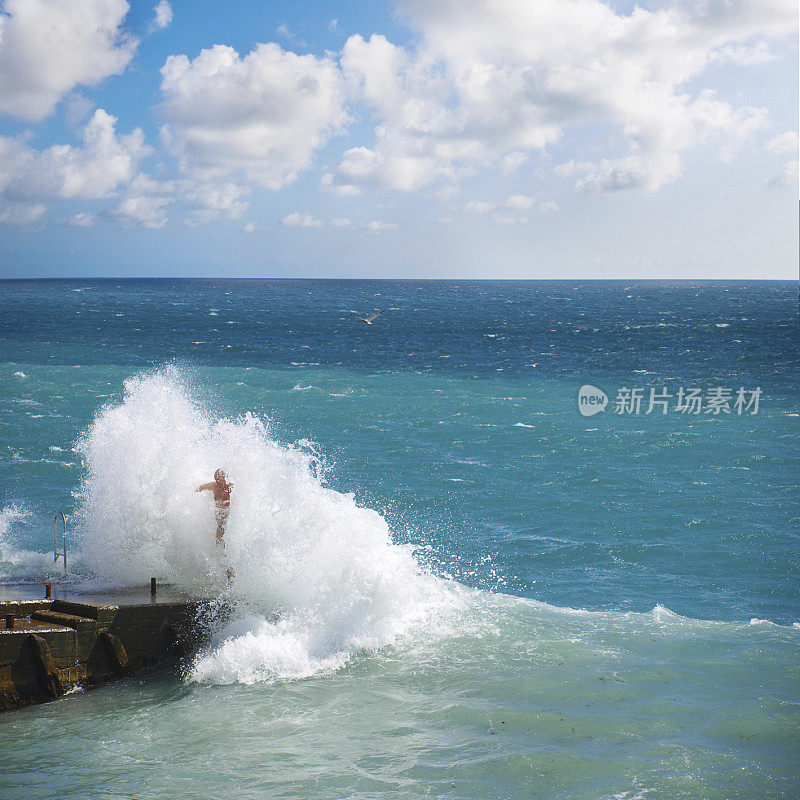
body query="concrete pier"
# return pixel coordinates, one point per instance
(48, 646)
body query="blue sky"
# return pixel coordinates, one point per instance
(421, 138)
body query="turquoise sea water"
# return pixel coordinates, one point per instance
(449, 581)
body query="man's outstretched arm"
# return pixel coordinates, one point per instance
(206, 487)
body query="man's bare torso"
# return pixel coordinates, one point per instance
(222, 495)
(221, 490)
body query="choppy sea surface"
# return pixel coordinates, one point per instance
(449, 582)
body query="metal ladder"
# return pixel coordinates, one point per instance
(56, 554)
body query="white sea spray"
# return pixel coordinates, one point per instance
(317, 577)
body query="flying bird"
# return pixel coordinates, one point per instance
(368, 320)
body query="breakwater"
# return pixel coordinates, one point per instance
(50, 645)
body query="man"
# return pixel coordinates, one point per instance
(222, 499)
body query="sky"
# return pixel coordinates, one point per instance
(409, 139)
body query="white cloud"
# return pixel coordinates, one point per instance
(283, 30)
(738, 19)
(519, 202)
(258, 118)
(364, 168)
(249, 227)
(305, 219)
(378, 226)
(513, 161)
(48, 47)
(409, 103)
(447, 192)
(783, 143)
(510, 219)
(210, 201)
(21, 213)
(302, 219)
(744, 55)
(95, 169)
(84, 219)
(162, 16)
(489, 83)
(510, 211)
(514, 202)
(480, 206)
(787, 176)
(14, 157)
(647, 173)
(149, 212)
(145, 203)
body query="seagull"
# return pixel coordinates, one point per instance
(368, 320)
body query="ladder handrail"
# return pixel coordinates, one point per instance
(56, 554)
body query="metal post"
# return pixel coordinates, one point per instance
(48, 591)
(152, 586)
(9, 622)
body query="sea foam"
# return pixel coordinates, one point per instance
(317, 578)
(16, 563)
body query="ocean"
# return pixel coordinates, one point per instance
(449, 581)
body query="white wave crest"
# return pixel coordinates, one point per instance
(17, 563)
(8, 516)
(317, 577)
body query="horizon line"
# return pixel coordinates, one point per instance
(396, 279)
